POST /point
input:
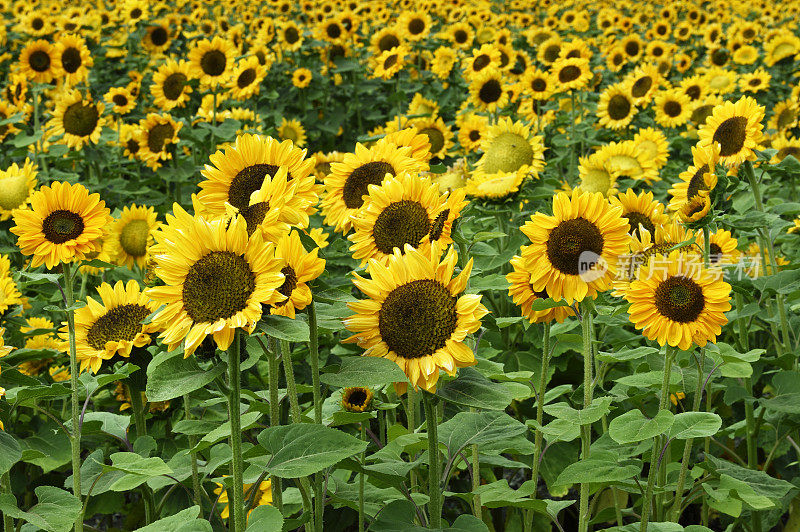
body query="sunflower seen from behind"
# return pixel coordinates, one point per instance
(675, 302)
(216, 279)
(573, 253)
(64, 224)
(416, 315)
(132, 235)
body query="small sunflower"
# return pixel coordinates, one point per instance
(113, 326)
(290, 36)
(245, 80)
(301, 78)
(77, 118)
(389, 62)
(510, 148)
(416, 25)
(73, 59)
(523, 295)
(121, 100)
(573, 254)
(653, 144)
(640, 210)
(416, 315)
(157, 39)
(132, 235)
(63, 224)
(615, 109)
(357, 399)
(299, 268)
(537, 84)
(440, 137)
(158, 132)
(699, 178)
(16, 187)
(471, 132)
(212, 61)
(623, 159)
(487, 90)
(737, 128)
(672, 107)
(755, 81)
(170, 86)
(216, 279)
(675, 303)
(595, 175)
(643, 83)
(486, 56)
(420, 143)
(9, 293)
(571, 74)
(784, 116)
(292, 130)
(38, 62)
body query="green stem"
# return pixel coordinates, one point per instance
(361, 483)
(8, 521)
(434, 487)
(192, 442)
(476, 481)
(137, 406)
(651, 475)
(538, 439)
(411, 414)
(586, 430)
(313, 350)
(75, 437)
(234, 413)
(274, 411)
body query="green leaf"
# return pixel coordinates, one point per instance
(482, 236)
(762, 483)
(56, 511)
(114, 424)
(136, 468)
(224, 430)
(183, 521)
(283, 328)
(365, 371)
(466, 428)
(265, 518)
(24, 394)
(624, 355)
(471, 388)
(169, 375)
(694, 425)
(10, 451)
(595, 472)
(303, 449)
(633, 426)
(788, 403)
(599, 407)
(498, 494)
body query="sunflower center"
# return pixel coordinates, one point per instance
(173, 85)
(71, 60)
(679, 299)
(387, 42)
(481, 62)
(61, 226)
(437, 227)
(357, 398)
(37, 24)
(159, 36)
(80, 120)
(416, 26)
(460, 36)
(786, 118)
(289, 284)
(390, 61)
(693, 92)
(569, 73)
(637, 218)
(39, 61)
(158, 135)
(416, 319)
(247, 181)
(701, 114)
(714, 253)
(120, 100)
(133, 237)
(291, 35)
(474, 135)
(641, 86)
(539, 85)
(596, 180)
(491, 91)
(213, 62)
(731, 135)
(632, 48)
(551, 52)
(697, 182)
(254, 214)
(246, 78)
(132, 145)
(435, 137)
(569, 240)
(789, 150)
(508, 152)
(402, 222)
(14, 191)
(217, 286)
(121, 323)
(333, 31)
(673, 108)
(136, 13)
(618, 107)
(357, 183)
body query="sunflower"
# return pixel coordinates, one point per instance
(510, 148)
(472, 130)
(4, 349)
(615, 108)
(487, 55)
(624, 159)
(640, 210)
(121, 100)
(389, 62)
(73, 59)
(721, 80)
(493, 186)
(444, 59)
(415, 316)
(755, 81)
(784, 46)
(571, 74)
(574, 252)
(537, 84)
(357, 399)
(488, 91)
(695, 209)
(170, 86)
(643, 83)
(252, 165)
(158, 132)
(460, 34)
(675, 303)
(132, 235)
(523, 295)
(62, 226)
(39, 341)
(737, 128)
(301, 78)
(404, 209)
(422, 106)
(245, 80)
(77, 118)
(157, 39)
(349, 180)
(633, 46)
(34, 23)
(419, 141)
(653, 144)
(699, 178)
(38, 62)
(672, 107)
(784, 116)
(292, 130)
(9, 293)
(112, 326)
(745, 55)
(216, 279)
(290, 36)
(549, 50)
(16, 187)
(212, 61)
(785, 147)
(299, 268)
(439, 135)
(262, 496)
(416, 25)
(595, 175)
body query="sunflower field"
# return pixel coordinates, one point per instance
(346, 265)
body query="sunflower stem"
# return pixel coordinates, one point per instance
(75, 436)
(537, 446)
(8, 521)
(274, 409)
(434, 488)
(187, 412)
(362, 459)
(586, 430)
(214, 123)
(412, 424)
(234, 413)
(313, 350)
(137, 406)
(654, 456)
